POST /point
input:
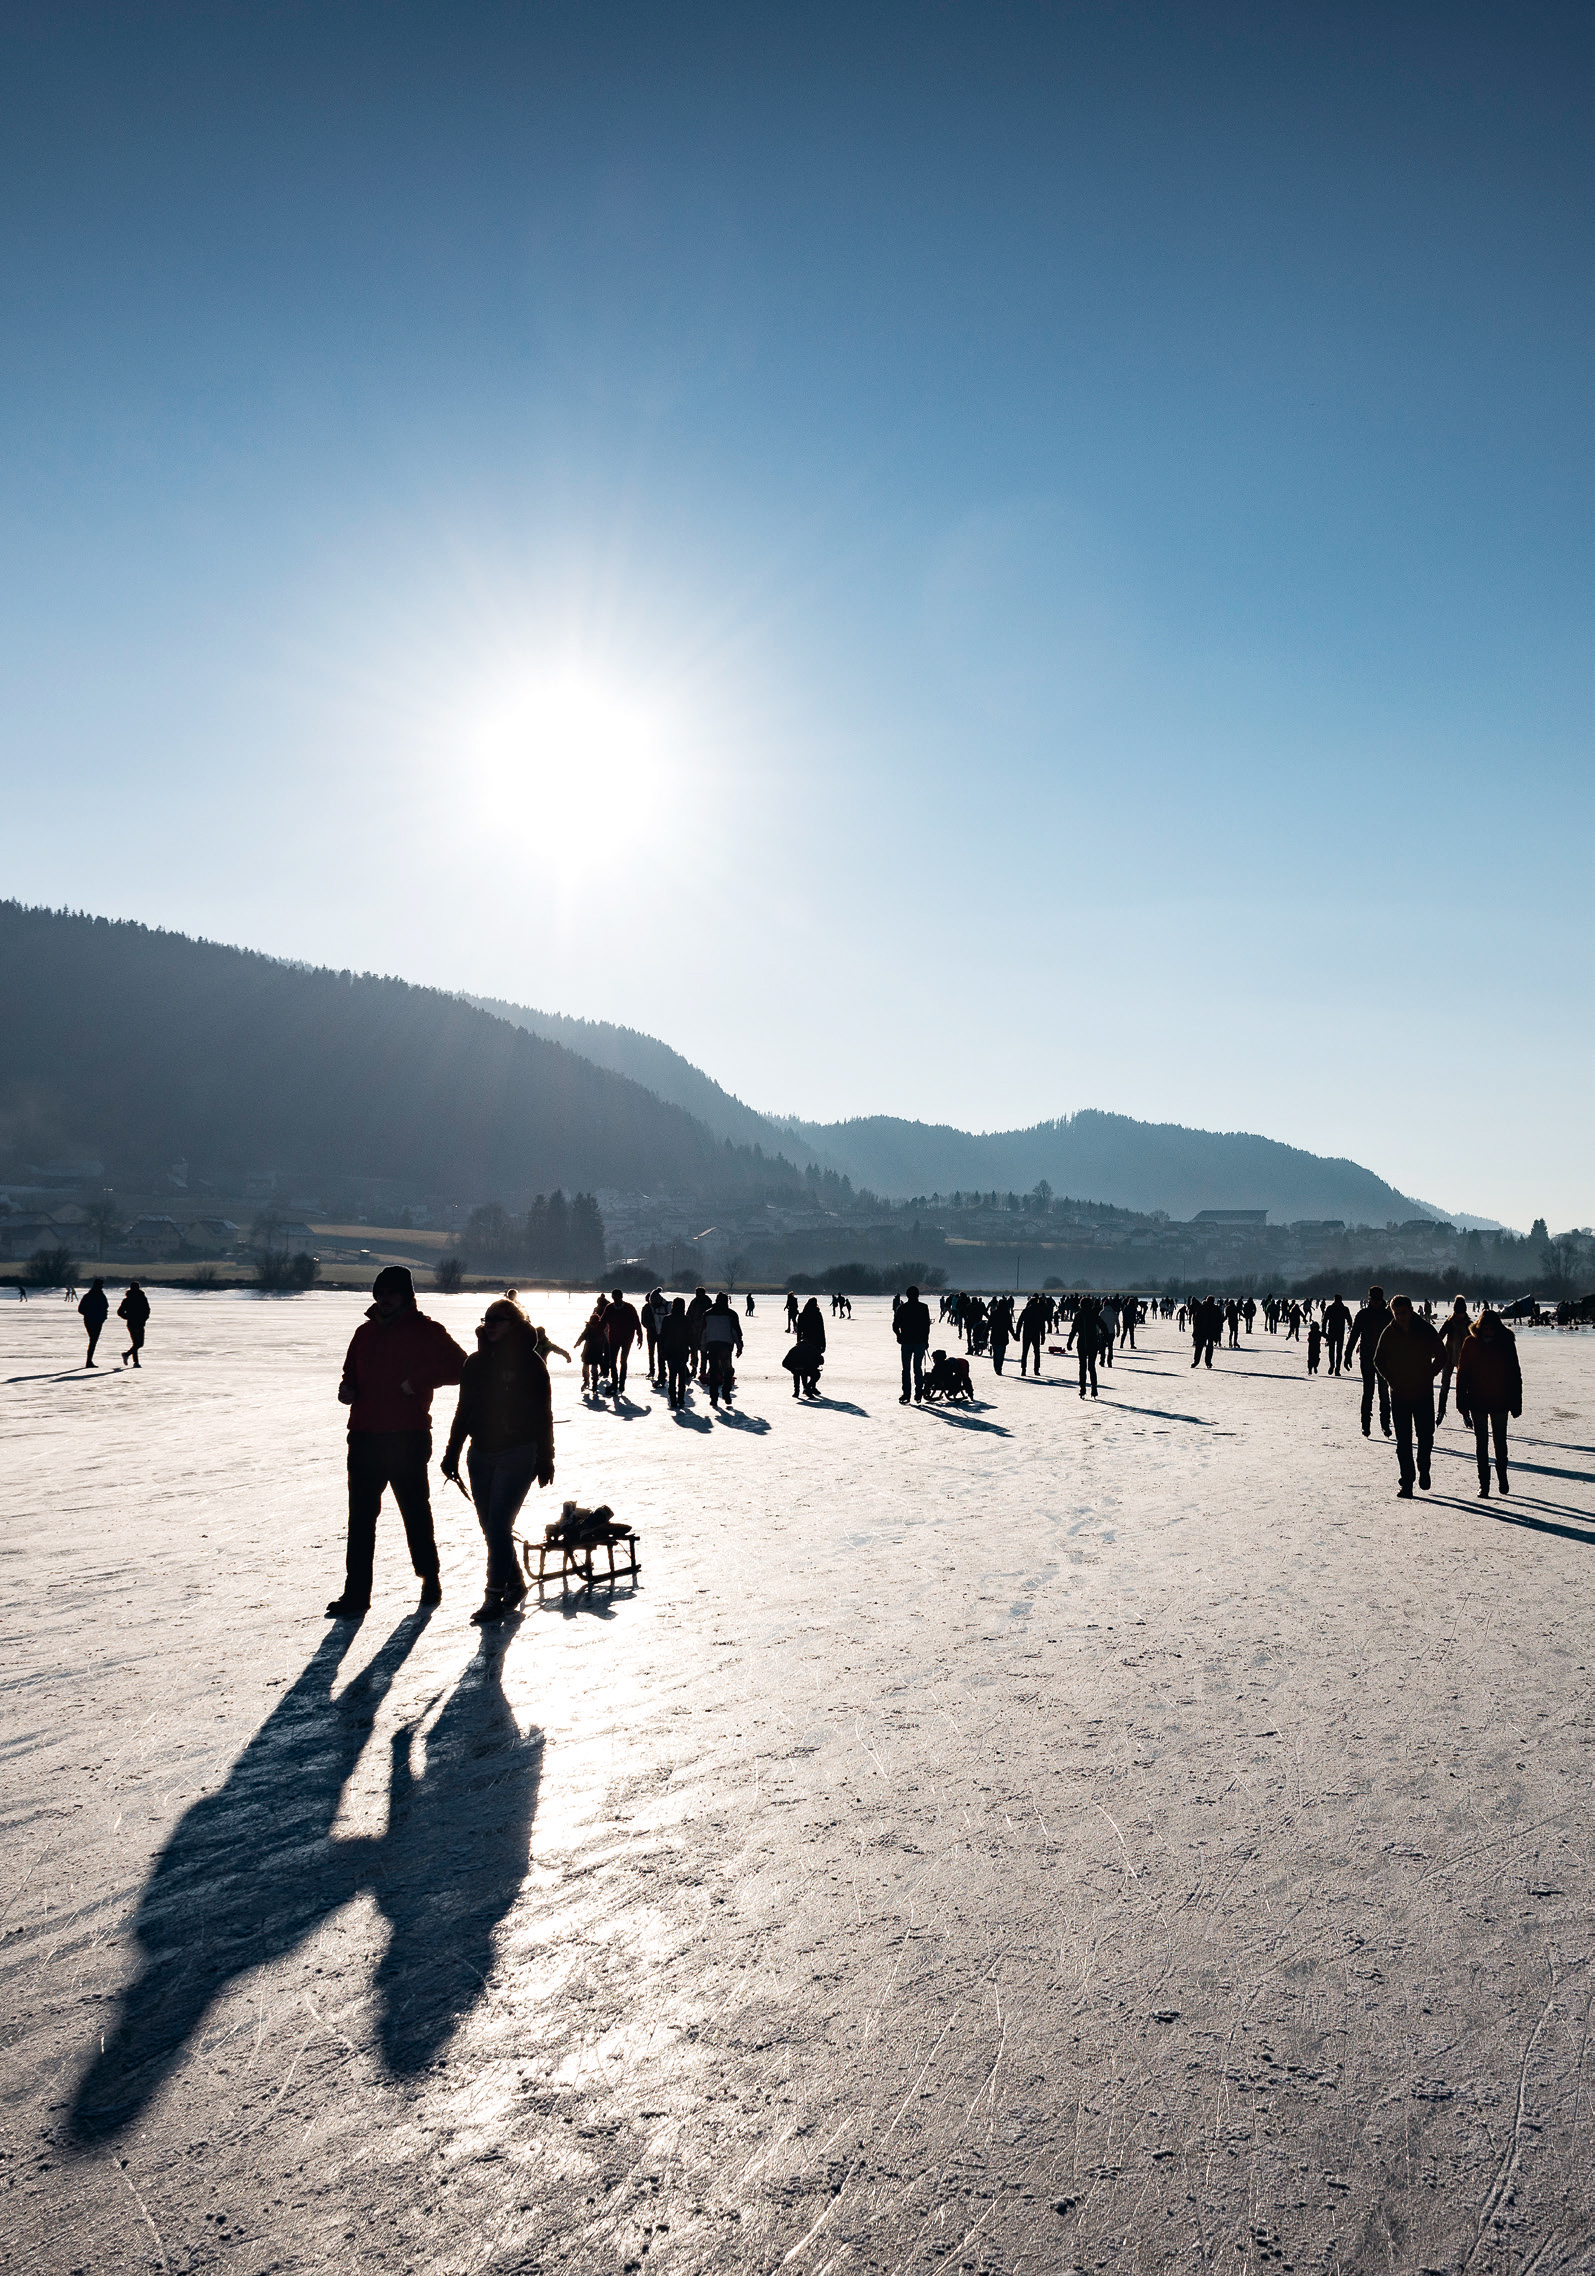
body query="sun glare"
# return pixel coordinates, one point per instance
(567, 761)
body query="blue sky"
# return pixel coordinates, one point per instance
(960, 561)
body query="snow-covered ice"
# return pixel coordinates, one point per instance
(1049, 1836)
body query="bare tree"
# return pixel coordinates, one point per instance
(105, 1219)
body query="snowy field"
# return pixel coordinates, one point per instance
(1043, 1837)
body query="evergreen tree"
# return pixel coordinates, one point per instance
(556, 1256)
(586, 1238)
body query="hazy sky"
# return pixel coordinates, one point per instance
(963, 561)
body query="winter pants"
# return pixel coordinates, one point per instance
(999, 1352)
(1029, 1349)
(1335, 1345)
(1483, 1425)
(1369, 1379)
(1414, 1417)
(1088, 1365)
(677, 1370)
(499, 1485)
(96, 1329)
(914, 1370)
(1445, 1390)
(396, 1458)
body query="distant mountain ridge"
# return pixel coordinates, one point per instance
(1091, 1155)
(1095, 1156)
(145, 1046)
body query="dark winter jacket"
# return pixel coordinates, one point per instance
(504, 1401)
(811, 1325)
(134, 1308)
(912, 1325)
(1454, 1333)
(1409, 1355)
(1366, 1329)
(94, 1307)
(383, 1356)
(1489, 1378)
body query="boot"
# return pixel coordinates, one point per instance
(432, 1590)
(345, 1608)
(1500, 1477)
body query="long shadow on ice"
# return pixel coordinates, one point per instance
(453, 1859)
(252, 1871)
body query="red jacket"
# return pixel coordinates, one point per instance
(386, 1354)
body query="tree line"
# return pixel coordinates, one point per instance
(555, 1240)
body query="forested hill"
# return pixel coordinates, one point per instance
(139, 1047)
(626, 1051)
(1107, 1157)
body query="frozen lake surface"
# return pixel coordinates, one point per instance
(1043, 1837)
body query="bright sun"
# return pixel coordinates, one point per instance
(565, 750)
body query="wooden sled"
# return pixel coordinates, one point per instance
(575, 1559)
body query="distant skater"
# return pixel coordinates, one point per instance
(1315, 1345)
(654, 1309)
(92, 1312)
(1002, 1332)
(1409, 1356)
(1453, 1336)
(135, 1310)
(1336, 1321)
(1084, 1330)
(722, 1348)
(791, 1313)
(622, 1328)
(1489, 1388)
(749, 1305)
(675, 1351)
(1032, 1327)
(1085, 1335)
(1366, 1329)
(912, 1330)
(397, 1358)
(506, 1411)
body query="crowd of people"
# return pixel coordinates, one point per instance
(398, 1357)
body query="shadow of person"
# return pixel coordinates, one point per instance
(247, 1874)
(453, 1859)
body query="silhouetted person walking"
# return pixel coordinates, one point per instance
(397, 1358)
(697, 1313)
(1366, 1329)
(135, 1310)
(1489, 1388)
(506, 1411)
(675, 1350)
(1453, 1336)
(808, 1356)
(722, 1348)
(1336, 1321)
(622, 1329)
(912, 1330)
(1409, 1356)
(92, 1312)
(791, 1313)
(1032, 1327)
(1084, 1331)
